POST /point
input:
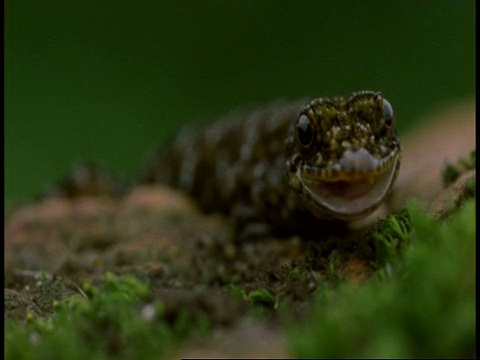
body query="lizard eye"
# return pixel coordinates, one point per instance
(305, 131)
(388, 116)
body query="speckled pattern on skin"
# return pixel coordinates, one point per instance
(287, 166)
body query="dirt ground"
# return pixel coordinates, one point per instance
(191, 259)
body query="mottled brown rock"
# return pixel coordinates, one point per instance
(90, 234)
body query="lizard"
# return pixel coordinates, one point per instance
(299, 166)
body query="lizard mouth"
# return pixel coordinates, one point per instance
(353, 187)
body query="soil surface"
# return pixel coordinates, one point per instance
(191, 259)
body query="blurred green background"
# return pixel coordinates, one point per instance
(108, 81)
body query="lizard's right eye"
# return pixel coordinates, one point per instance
(388, 116)
(305, 131)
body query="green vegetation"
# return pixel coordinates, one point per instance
(114, 320)
(261, 297)
(388, 238)
(424, 307)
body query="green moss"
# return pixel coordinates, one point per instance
(389, 237)
(424, 308)
(261, 297)
(237, 292)
(380, 246)
(113, 320)
(295, 274)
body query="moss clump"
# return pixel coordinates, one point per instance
(389, 237)
(114, 319)
(424, 308)
(261, 297)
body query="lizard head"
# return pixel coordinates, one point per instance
(343, 155)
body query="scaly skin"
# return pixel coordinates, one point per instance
(285, 166)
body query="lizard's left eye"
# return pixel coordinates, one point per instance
(305, 131)
(388, 116)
